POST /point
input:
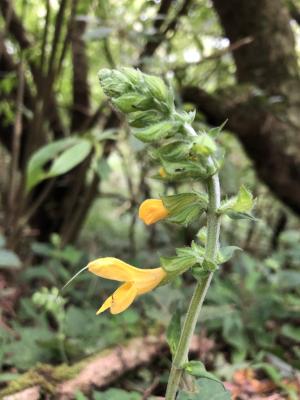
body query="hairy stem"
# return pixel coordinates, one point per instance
(212, 243)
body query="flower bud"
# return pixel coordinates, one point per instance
(113, 82)
(140, 119)
(152, 210)
(132, 101)
(157, 87)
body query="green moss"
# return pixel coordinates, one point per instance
(47, 376)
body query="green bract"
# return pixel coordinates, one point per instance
(185, 207)
(186, 258)
(204, 145)
(238, 206)
(174, 151)
(157, 131)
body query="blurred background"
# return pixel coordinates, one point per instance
(72, 178)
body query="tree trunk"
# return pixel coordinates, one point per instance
(263, 109)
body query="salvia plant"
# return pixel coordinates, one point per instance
(182, 154)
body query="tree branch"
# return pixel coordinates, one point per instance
(161, 33)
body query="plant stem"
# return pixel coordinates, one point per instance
(212, 243)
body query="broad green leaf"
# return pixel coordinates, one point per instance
(291, 332)
(206, 389)
(116, 394)
(36, 171)
(70, 158)
(197, 368)
(9, 260)
(174, 331)
(225, 253)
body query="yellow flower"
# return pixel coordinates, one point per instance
(152, 210)
(136, 282)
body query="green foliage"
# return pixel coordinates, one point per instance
(197, 369)
(64, 155)
(238, 207)
(173, 331)
(116, 394)
(206, 389)
(185, 259)
(8, 259)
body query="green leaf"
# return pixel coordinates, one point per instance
(291, 332)
(185, 207)
(240, 215)
(206, 389)
(174, 331)
(197, 368)
(35, 171)
(244, 200)
(9, 260)
(70, 158)
(116, 394)
(225, 253)
(242, 203)
(64, 154)
(157, 131)
(214, 132)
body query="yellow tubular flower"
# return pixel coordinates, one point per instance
(152, 210)
(136, 282)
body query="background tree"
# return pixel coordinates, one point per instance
(257, 90)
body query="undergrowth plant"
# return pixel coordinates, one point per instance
(182, 154)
